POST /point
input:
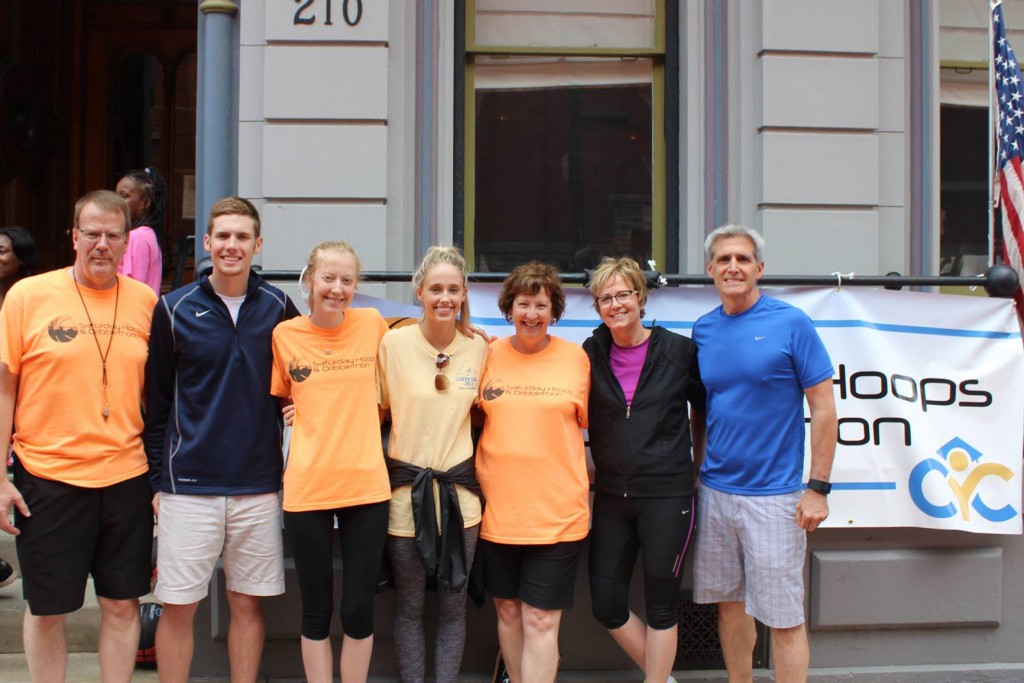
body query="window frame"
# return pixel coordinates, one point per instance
(664, 55)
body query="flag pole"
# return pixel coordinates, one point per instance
(993, 113)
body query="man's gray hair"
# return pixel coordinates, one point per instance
(735, 230)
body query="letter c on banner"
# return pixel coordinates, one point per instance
(916, 485)
(990, 470)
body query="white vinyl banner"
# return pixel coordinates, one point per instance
(929, 392)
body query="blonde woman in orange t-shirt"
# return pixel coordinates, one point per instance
(532, 469)
(326, 364)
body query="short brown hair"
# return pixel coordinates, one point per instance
(529, 279)
(235, 206)
(104, 200)
(624, 267)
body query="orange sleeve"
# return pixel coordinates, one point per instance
(280, 384)
(11, 333)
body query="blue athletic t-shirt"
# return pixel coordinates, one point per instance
(755, 366)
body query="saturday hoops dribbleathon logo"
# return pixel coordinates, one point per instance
(62, 331)
(299, 370)
(493, 390)
(960, 468)
(59, 332)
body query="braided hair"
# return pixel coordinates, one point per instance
(154, 191)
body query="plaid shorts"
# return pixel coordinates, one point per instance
(749, 549)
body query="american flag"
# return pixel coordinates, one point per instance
(1010, 145)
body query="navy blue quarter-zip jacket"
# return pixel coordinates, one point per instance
(211, 425)
(643, 450)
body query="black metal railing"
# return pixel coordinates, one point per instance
(998, 280)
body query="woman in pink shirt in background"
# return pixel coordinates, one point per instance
(146, 193)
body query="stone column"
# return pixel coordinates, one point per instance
(216, 146)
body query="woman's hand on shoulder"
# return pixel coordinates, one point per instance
(482, 333)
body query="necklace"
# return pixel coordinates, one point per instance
(103, 354)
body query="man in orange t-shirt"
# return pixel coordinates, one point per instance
(72, 357)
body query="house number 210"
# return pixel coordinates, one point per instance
(351, 12)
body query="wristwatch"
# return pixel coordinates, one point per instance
(822, 487)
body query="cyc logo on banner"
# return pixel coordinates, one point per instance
(959, 457)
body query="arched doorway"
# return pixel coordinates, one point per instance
(98, 87)
(139, 92)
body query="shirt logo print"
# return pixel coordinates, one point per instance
(59, 332)
(756, 338)
(493, 390)
(299, 370)
(200, 314)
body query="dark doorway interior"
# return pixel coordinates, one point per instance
(90, 89)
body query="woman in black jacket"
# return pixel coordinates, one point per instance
(641, 379)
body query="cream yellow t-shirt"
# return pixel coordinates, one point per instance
(335, 459)
(47, 341)
(430, 428)
(530, 461)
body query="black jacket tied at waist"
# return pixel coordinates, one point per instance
(444, 557)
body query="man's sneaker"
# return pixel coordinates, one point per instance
(7, 573)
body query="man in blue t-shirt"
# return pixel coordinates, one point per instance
(759, 359)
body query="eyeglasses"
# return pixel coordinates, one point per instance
(92, 236)
(442, 361)
(621, 297)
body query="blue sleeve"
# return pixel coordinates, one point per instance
(160, 367)
(810, 358)
(290, 310)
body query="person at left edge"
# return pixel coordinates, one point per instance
(213, 438)
(72, 364)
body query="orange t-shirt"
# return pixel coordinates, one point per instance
(336, 458)
(47, 341)
(530, 461)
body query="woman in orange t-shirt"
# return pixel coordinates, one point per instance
(532, 469)
(327, 365)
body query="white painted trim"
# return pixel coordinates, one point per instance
(445, 117)
(693, 148)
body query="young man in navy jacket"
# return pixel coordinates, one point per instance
(213, 439)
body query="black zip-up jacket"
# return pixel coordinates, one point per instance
(643, 450)
(212, 427)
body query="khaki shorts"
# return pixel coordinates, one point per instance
(194, 531)
(749, 549)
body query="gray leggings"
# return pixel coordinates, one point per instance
(410, 586)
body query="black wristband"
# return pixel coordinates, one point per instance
(822, 487)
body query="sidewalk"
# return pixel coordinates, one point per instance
(83, 633)
(83, 667)
(83, 630)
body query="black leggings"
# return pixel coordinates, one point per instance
(363, 531)
(660, 528)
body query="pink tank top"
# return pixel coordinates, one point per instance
(627, 362)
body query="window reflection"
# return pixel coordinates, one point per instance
(563, 161)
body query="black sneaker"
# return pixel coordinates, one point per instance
(7, 573)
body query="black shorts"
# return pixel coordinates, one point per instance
(75, 532)
(542, 576)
